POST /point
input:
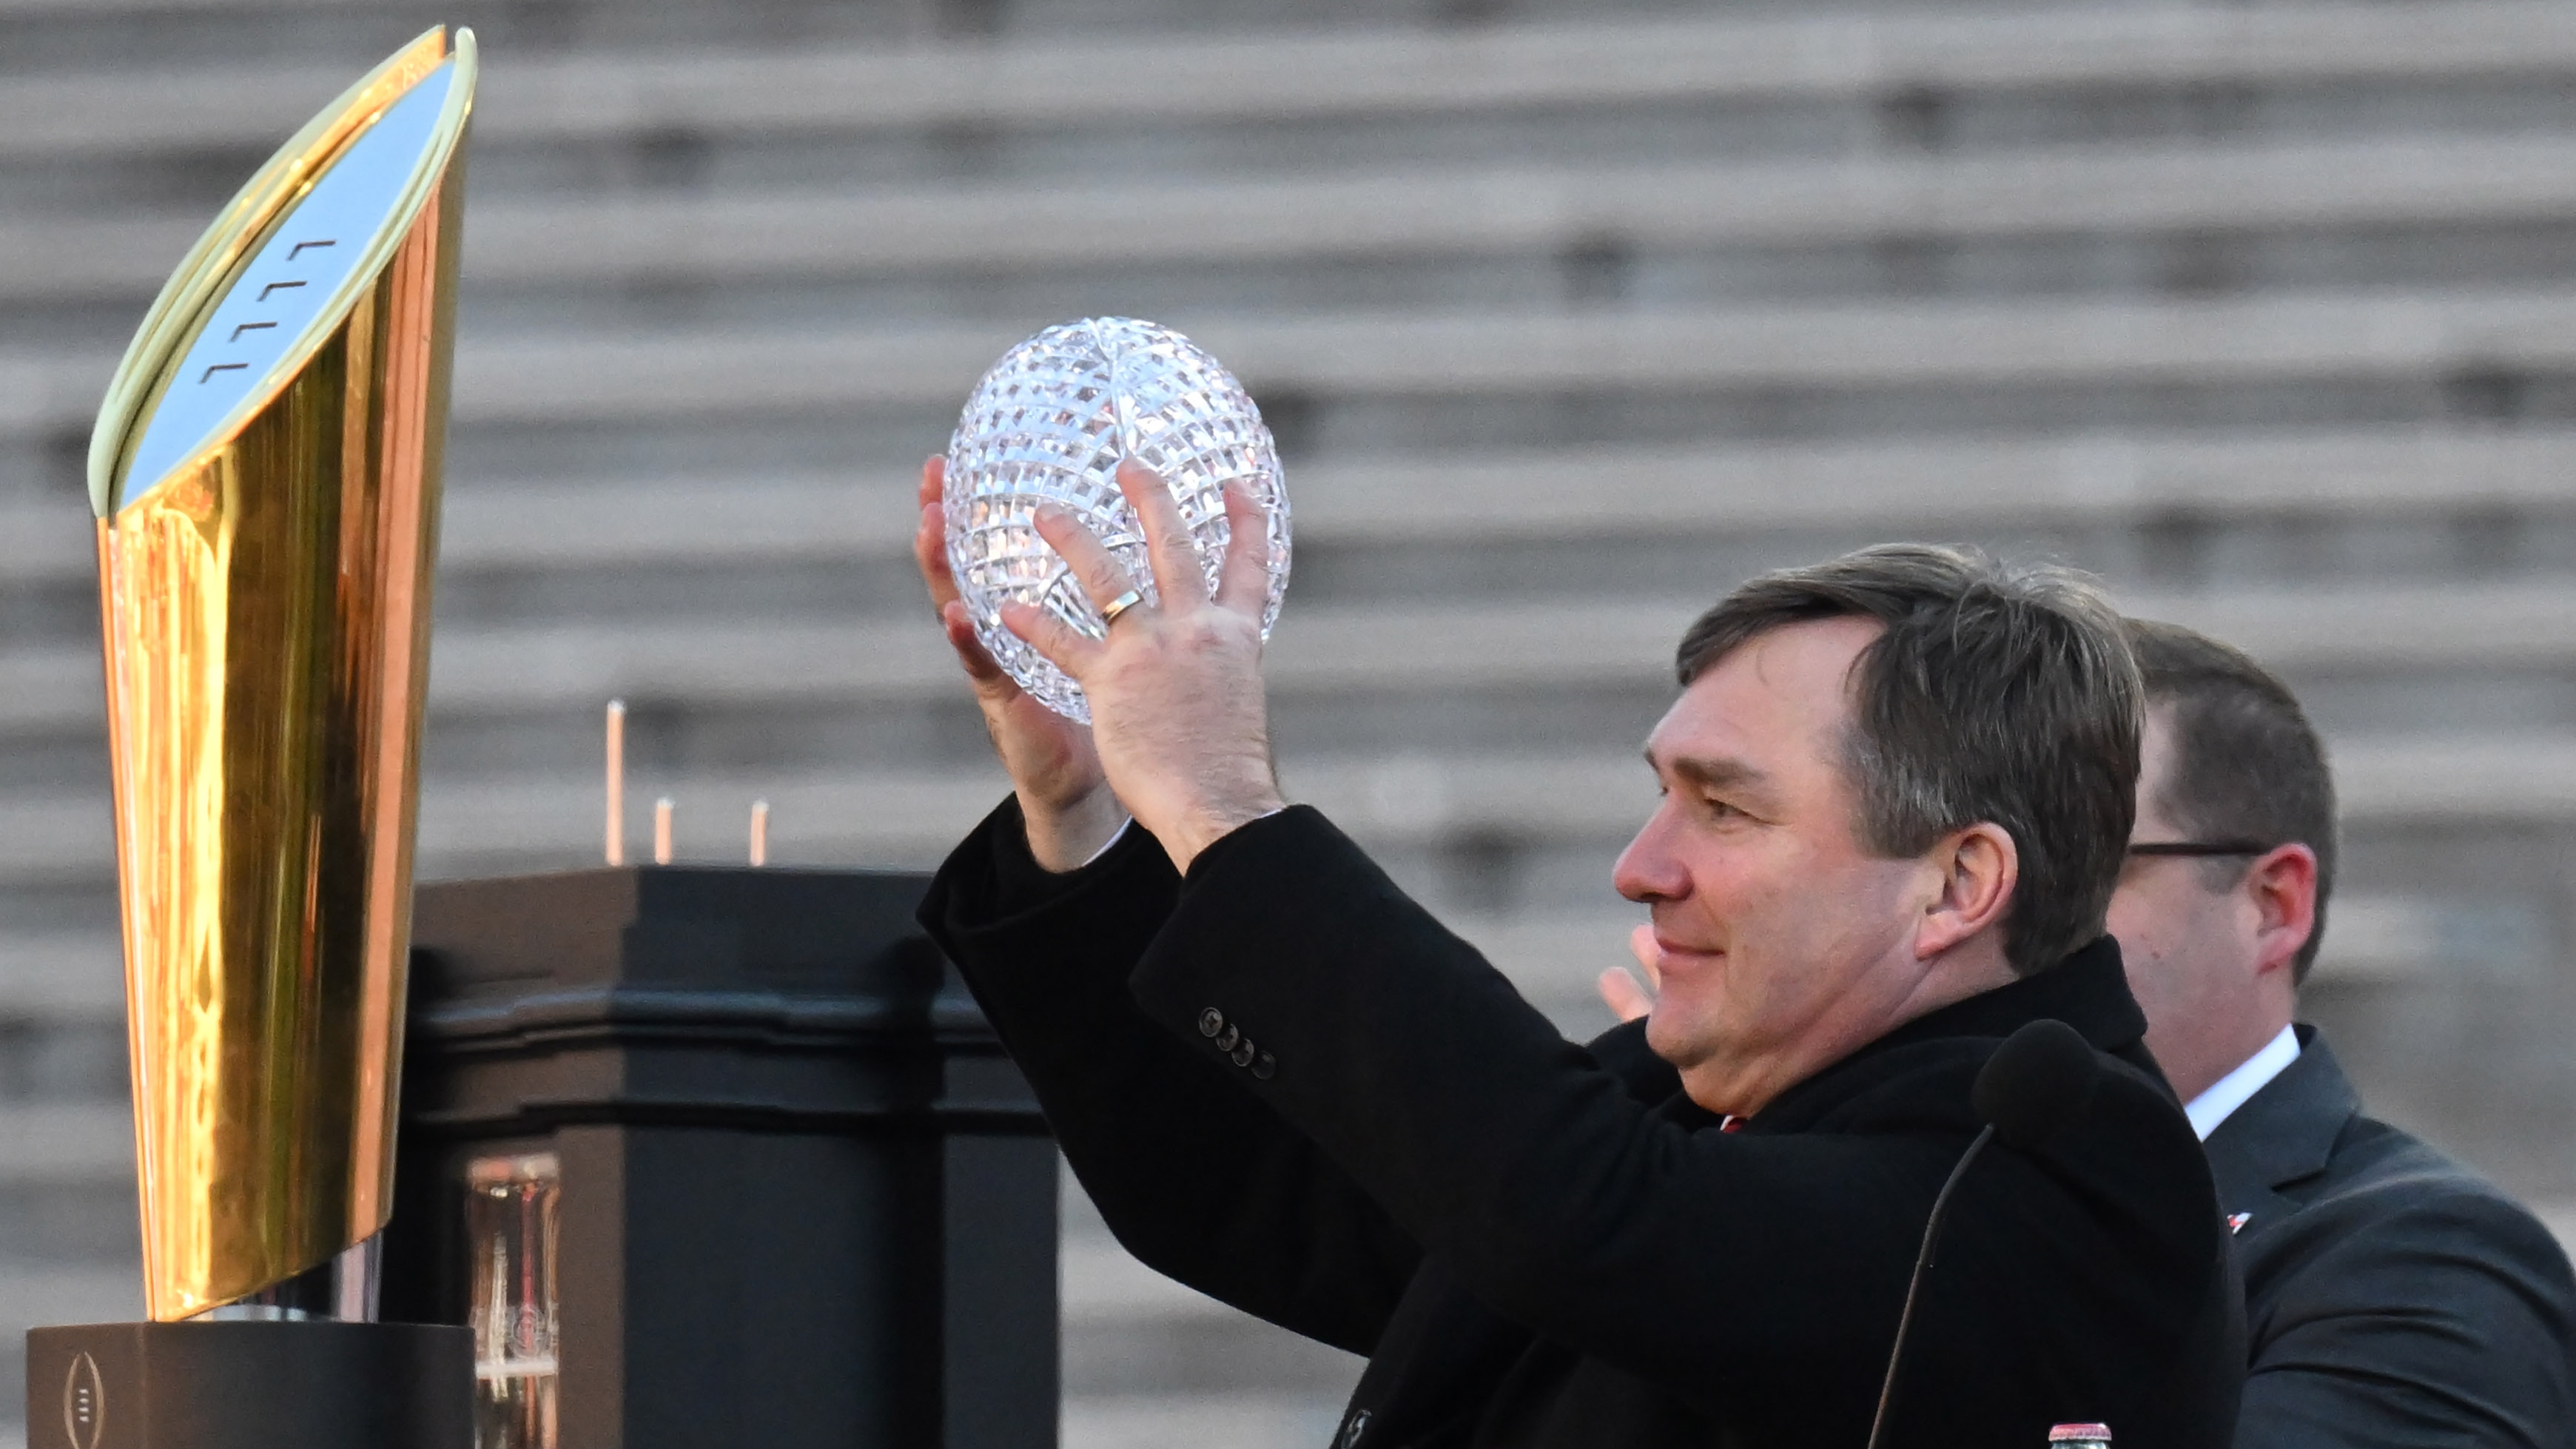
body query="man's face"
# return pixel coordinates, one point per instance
(1785, 945)
(2195, 955)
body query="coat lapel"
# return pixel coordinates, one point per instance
(2282, 1139)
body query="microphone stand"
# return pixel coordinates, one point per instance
(1914, 1285)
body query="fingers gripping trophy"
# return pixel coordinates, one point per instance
(1112, 494)
(266, 474)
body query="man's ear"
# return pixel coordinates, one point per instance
(2281, 885)
(1979, 866)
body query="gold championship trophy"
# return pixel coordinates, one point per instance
(266, 476)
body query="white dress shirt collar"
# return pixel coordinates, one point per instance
(2230, 1092)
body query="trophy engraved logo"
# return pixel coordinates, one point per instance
(84, 1403)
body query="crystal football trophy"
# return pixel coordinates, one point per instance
(1050, 423)
(266, 474)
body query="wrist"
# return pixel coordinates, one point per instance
(1068, 836)
(1210, 822)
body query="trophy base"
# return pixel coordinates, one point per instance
(235, 1385)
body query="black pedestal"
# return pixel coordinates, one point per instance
(805, 1200)
(310, 1385)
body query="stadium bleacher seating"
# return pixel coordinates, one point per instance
(1568, 314)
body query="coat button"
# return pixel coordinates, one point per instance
(1226, 1039)
(1243, 1055)
(1211, 1021)
(1266, 1068)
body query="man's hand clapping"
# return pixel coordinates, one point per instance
(1619, 988)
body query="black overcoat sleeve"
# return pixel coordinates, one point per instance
(1194, 1175)
(1289, 1087)
(2420, 1312)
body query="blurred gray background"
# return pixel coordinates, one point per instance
(1568, 314)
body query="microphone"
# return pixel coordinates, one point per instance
(2034, 1087)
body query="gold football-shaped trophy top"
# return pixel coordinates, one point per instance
(376, 192)
(266, 473)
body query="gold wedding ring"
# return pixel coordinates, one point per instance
(1110, 611)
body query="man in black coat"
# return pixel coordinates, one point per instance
(2393, 1297)
(1898, 786)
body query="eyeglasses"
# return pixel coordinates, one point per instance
(2198, 847)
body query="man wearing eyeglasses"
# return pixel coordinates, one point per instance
(2392, 1296)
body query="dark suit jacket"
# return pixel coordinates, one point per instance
(2392, 1296)
(1288, 1087)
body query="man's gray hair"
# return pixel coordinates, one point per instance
(1997, 693)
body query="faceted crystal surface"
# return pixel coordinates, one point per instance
(1051, 421)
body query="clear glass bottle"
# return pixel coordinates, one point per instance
(511, 1216)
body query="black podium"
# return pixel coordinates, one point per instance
(791, 1191)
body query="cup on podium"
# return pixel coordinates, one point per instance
(266, 475)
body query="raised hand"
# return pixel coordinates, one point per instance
(1064, 796)
(1620, 989)
(1177, 706)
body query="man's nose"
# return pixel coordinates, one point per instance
(1648, 870)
